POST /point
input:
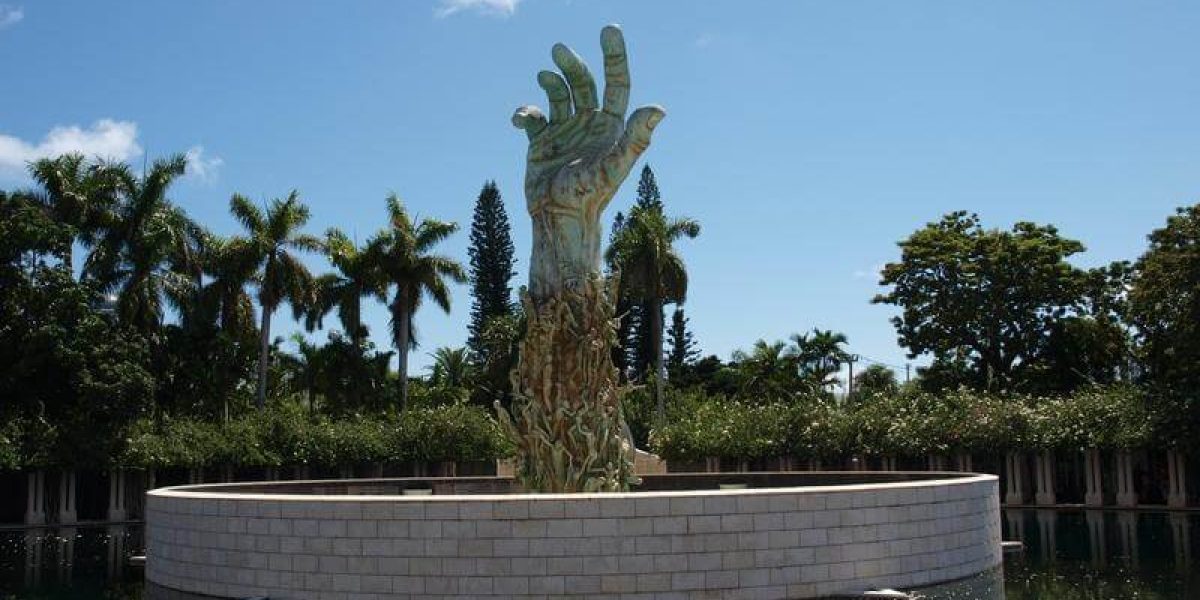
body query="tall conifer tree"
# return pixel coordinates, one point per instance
(492, 260)
(682, 352)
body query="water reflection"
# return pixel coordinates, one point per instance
(1070, 555)
(80, 562)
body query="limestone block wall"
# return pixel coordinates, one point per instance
(752, 543)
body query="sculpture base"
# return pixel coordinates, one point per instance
(567, 422)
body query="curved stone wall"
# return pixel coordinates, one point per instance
(790, 542)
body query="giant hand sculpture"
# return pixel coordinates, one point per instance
(577, 160)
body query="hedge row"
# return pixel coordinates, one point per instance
(288, 436)
(909, 426)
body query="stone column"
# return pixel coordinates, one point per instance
(346, 472)
(195, 475)
(271, 474)
(1093, 475)
(226, 473)
(66, 553)
(377, 470)
(1014, 471)
(814, 464)
(937, 462)
(116, 495)
(1044, 475)
(151, 479)
(963, 463)
(1177, 475)
(889, 463)
(1096, 539)
(35, 498)
(66, 498)
(1015, 521)
(1181, 541)
(300, 472)
(1127, 533)
(1047, 533)
(1126, 491)
(712, 464)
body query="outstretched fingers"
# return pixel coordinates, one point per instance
(557, 93)
(531, 119)
(583, 87)
(633, 141)
(616, 71)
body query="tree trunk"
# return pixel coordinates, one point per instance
(401, 322)
(656, 336)
(264, 349)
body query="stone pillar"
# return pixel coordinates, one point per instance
(271, 474)
(1015, 521)
(116, 552)
(1047, 521)
(151, 479)
(814, 464)
(195, 475)
(936, 462)
(116, 495)
(447, 468)
(1181, 541)
(300, 472)
(35, 498)
(1126, 491)
(1044, 479)
(1127, 533)
(66, 553)
(1014, 472)
(889, 463)
(1093, 475)
(1177, 479)
(346, 472)
(712, 464)
(33, 560)
(963, 463)
(66, 498)
(1096, 539)
(377, 470)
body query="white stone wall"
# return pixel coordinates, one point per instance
(757, 543)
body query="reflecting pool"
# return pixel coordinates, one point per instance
(1069, 555)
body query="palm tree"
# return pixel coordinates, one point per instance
(77, 194)
(146, 248)
(767, 372)
(653, 273)
(401, 252)
(819, 357)
(357, 277)
(270, 239)
(452, 367)
(223, 300)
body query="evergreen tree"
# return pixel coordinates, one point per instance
(492, 263)
(647, 191)
(683, 348)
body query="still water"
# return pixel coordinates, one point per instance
(1069, 555)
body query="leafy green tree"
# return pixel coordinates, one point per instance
(501, 339)
(271, 238)
(147, 248)
(988, 296)
(402, 252)
(682, 346)
(653, 273)
(1164, 308)
(875, 380)
(819, 357)
(491, 266)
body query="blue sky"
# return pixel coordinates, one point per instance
(806, 137)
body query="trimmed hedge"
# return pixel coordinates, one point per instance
(910, 425)
(288, 436)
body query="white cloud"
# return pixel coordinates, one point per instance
(500, 8)
(200, 166)
(106, 138)
(10, 15)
